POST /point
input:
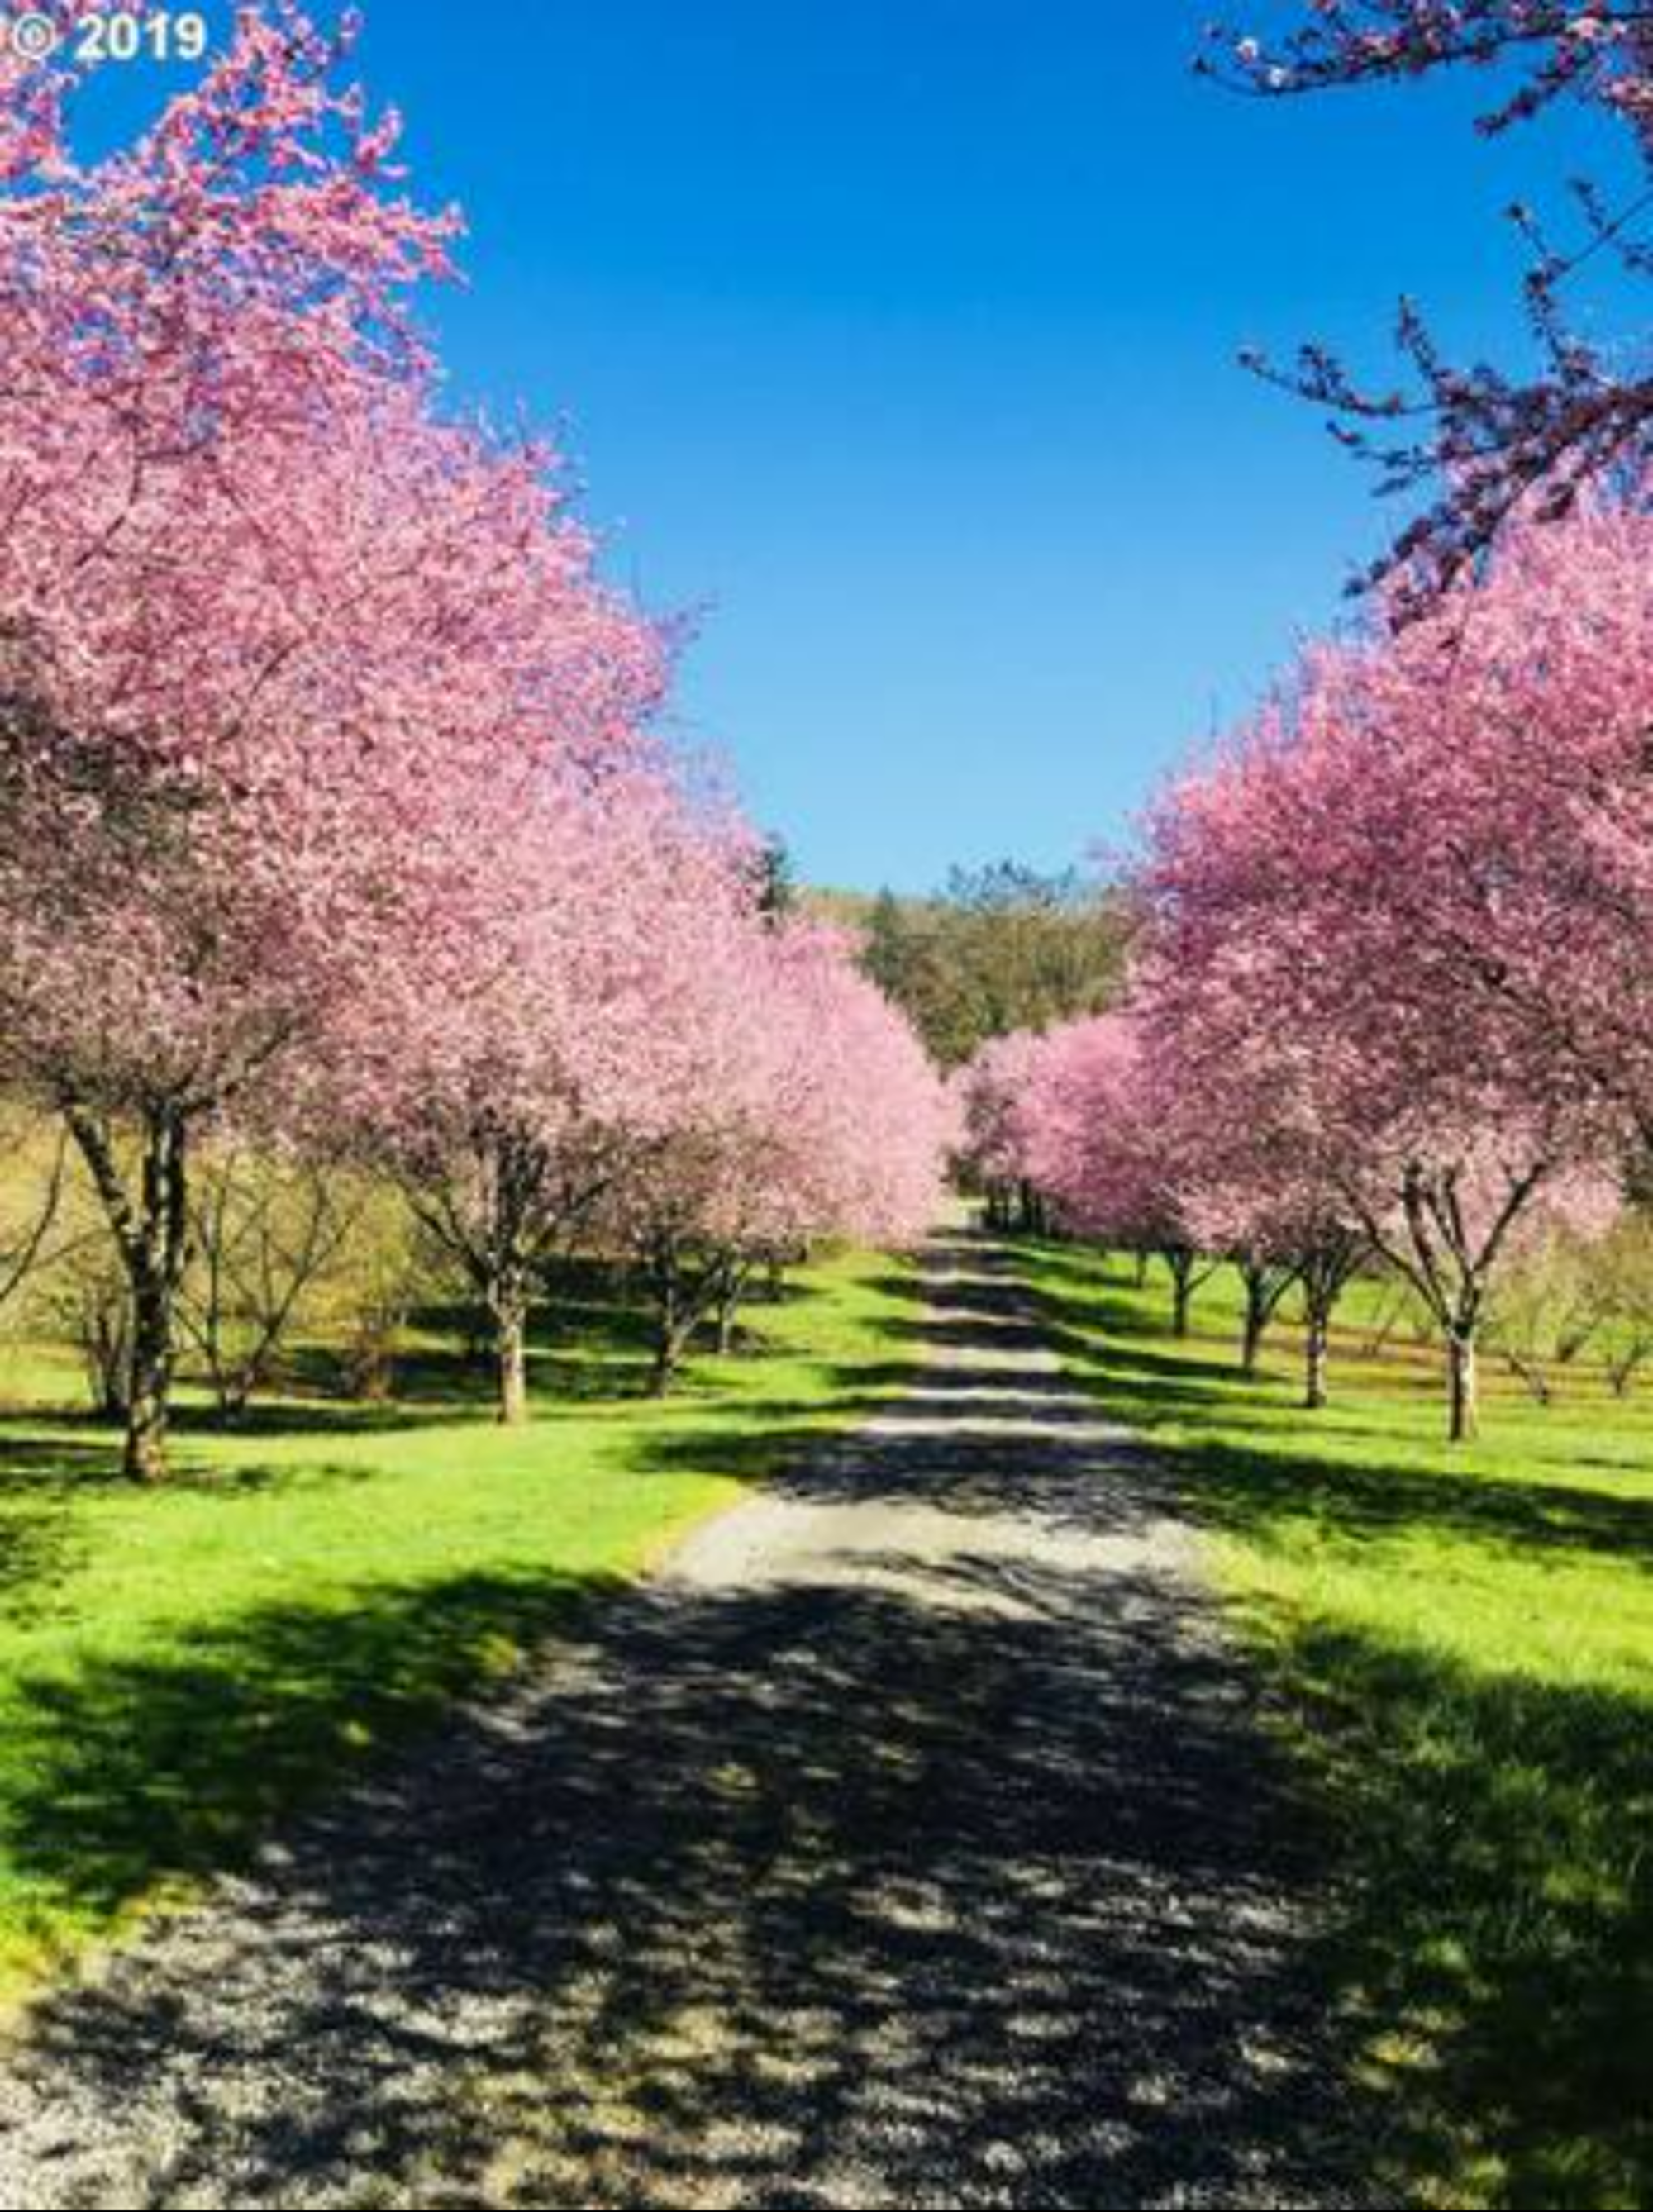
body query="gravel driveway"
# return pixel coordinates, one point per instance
(911, 1842)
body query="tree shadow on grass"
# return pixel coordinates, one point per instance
(44, 1472)
(1358, 1492)
(39, 1549)
(126, 1775)
(1498, 1955)
(52, 1456)
(1258, 1493)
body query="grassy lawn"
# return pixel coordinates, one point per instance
(178, 1666)
(1464, 1641)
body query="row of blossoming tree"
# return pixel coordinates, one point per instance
(334, 810)
(1391, 1000)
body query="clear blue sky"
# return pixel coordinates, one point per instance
(899, 336)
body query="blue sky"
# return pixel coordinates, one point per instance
(898, 338)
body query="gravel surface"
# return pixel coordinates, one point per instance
(911, 1842)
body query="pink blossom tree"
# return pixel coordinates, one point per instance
(1100, 1145)
(527, 1100)
(1502, 760)
(800, 1105)
(993, 1091)
(1257, 1181)
(1281, 880)
(277, 651)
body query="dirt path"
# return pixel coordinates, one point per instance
(909, 1843)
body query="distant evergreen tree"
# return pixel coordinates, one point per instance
(778, 880)
(1004, 947)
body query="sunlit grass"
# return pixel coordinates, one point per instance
(178, 1666)
(1462, 1643)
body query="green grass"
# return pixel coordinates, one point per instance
(179, 1667)
(1463, 1641)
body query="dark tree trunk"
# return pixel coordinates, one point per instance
(1267, 1282)
(1181, 1265)
(148, 1409)
(666, 1277)
(1257, 1310)
(151, 1233)
(1454, 1273)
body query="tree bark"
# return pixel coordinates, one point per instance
(148, 1408)
(503, 1266)
(151, 1233)
(1267, 1281)
(1464, 1386)
(1315, 1352)
(732, 1290)
(1181, 1265)
(665, 1278)
(510, 1312)
(1327, 1270)
(1256, 1323)
(1453, 1271)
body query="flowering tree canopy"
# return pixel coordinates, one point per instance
(278, 650)
(1360, 910)
(800, 1105)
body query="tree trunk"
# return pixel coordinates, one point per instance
(1181, 1267)
(1463, 1384)
(1267, 1282)
(671, 1342)
(151, 1233)
(510, 1306)
(148, 1406)
(1251, 1337)
(732, 1290)
(1315, 1352)
(1327, 1271)
(503, 1269)
(666, 1277)
(1258, 1307)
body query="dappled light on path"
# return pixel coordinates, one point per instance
(911, 1842)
